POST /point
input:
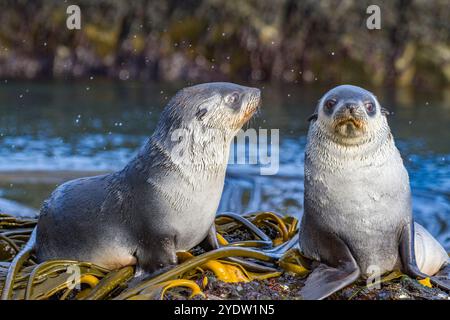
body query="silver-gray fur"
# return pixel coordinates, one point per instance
(357, 194)
(166, 197)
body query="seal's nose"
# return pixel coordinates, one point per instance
(256, 93)
(254, 97)
(351, 107)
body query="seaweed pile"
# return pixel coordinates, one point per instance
(257, 246)
(257, 259)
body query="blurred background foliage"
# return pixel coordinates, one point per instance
(205, 40)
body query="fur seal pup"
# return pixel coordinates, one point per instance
(357, 207)
(164, 200)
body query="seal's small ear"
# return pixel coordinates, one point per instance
(385, 111)
(200, 114)
(313, 117)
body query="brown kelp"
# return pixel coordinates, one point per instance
(255, 246)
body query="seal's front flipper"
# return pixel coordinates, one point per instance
(162, 257)
(325, 280)
(340, 271)
(408, 257)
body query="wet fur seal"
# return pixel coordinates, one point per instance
(164, 200)
(357, 218)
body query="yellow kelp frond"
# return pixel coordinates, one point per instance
(293, 261)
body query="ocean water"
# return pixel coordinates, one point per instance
(54, 131)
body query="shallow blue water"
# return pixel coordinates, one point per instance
(95, 125)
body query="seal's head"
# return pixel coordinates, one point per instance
(221, 106)
(199, 122)
(350, 115)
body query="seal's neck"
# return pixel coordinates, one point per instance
(185, 153)
(208, 154)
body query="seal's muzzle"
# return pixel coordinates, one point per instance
(250, 106)
(349, 120)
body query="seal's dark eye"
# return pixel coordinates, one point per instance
(369, 107)
(329, 104)
(232, 98)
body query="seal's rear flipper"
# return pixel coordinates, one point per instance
(408, 256)
(325, 280)
(443, 277)
(429, 253)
